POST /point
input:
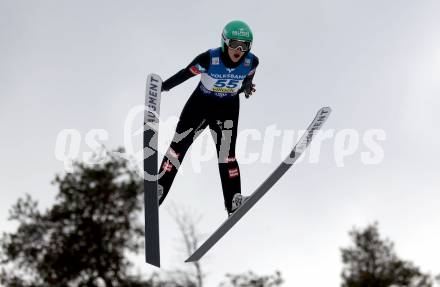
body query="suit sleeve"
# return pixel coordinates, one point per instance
(200, 63)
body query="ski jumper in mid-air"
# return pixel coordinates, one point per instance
(225, 72)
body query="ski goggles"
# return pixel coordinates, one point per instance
(243, 46)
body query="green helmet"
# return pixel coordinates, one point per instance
(237, 30)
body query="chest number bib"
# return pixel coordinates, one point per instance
(225, 85)
(222, 81)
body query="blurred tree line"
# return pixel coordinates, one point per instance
(85, 237)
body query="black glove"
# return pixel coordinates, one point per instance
(248, 88)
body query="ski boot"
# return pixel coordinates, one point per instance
(159, 192)
(237, 201)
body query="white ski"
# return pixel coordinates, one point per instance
(296, 152)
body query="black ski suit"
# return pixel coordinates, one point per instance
(220, 114)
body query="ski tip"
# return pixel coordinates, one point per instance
(325, 110)
(154, 76)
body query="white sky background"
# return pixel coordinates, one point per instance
(83, 64)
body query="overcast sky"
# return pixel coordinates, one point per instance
(82, 65)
